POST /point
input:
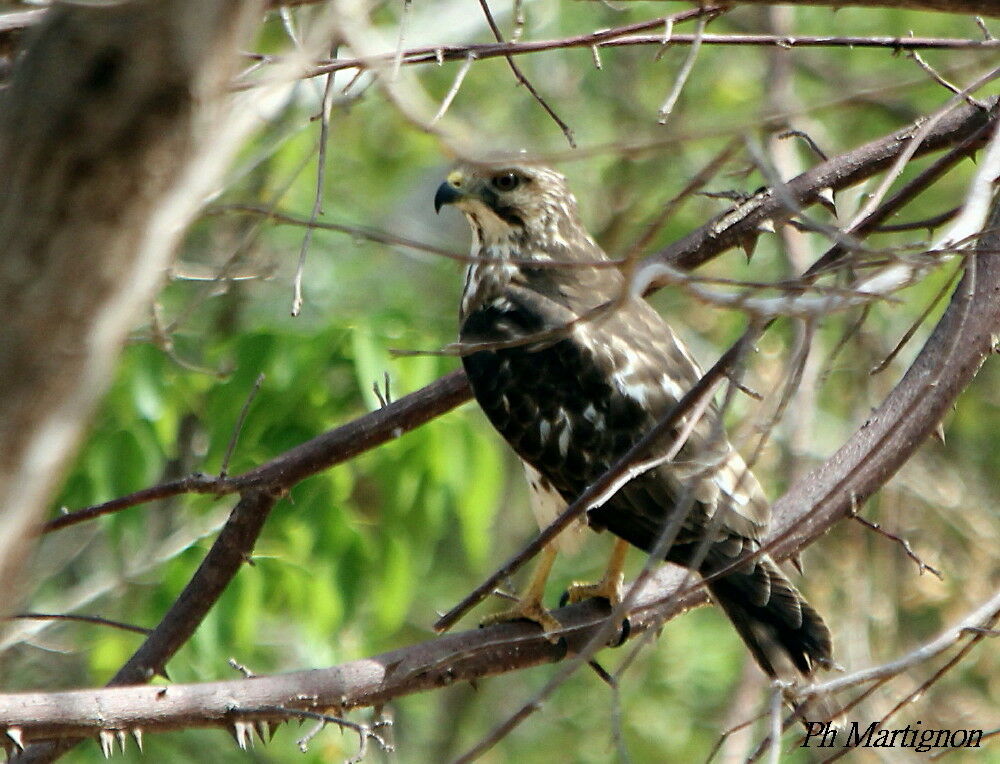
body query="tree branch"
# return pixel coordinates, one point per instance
(728, 229)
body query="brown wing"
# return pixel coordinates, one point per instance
(570, 408)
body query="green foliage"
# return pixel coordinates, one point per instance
(358, 558)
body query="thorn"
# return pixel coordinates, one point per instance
(826, 200)
(939, 432)
(971, 154)
(766, 226)
(260, 726)
(272, 727)
(796, 561)
(241, 731)
(749, 244)
(107, 738)
(120, 734)
(137, 736)
(17, 735)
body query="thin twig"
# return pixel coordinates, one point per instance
(703, 176)
(397, 61)
(453, 90)
(623, 37)
(94, 619)
(774, 751)
(914, 143)
(943, 82)
(196, 483)
(926, 223)
(908, 334)
(330, 448)
(365, 732)
(238, 427)
(983, 615)
(682, 75)
(324, 135)
(519, 75)
(383, 237)
(921, 565)
(237, 666)
(913, 695)
(786, 134)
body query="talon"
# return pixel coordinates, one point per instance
(606, 589)
(611, 587)
(624, 634)
(529, 607)
(527, 610)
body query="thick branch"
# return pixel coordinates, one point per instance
(285, 470)
(729, 229)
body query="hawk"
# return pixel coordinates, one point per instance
(571, 388)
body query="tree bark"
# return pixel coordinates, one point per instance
(102, 133)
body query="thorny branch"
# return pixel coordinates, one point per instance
(624, 37)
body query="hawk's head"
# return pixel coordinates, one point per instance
(513, 204)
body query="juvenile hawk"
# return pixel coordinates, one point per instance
(572, 404)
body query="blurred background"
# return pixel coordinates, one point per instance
(359, 559)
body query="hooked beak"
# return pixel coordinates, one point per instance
(446, 194)
(450, 191)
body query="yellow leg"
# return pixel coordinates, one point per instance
(609, 587)
(529, 605)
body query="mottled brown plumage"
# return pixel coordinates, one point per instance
(572, 404)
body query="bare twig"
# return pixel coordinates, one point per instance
(238, 427)
(453, 90)
(682, 75)
(196, 483)
(324, 136)
(914, 142)
(237, 666)
(936, 76)
(984, 615)
(927, 223)
(622, 37)
(365, 732)
(94, 619)
(519, 75)
(801, 134)
(921, 565)
(908, 334)
(382, 237)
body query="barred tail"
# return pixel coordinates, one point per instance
(773, 619)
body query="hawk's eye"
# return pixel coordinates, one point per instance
(506, 181)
